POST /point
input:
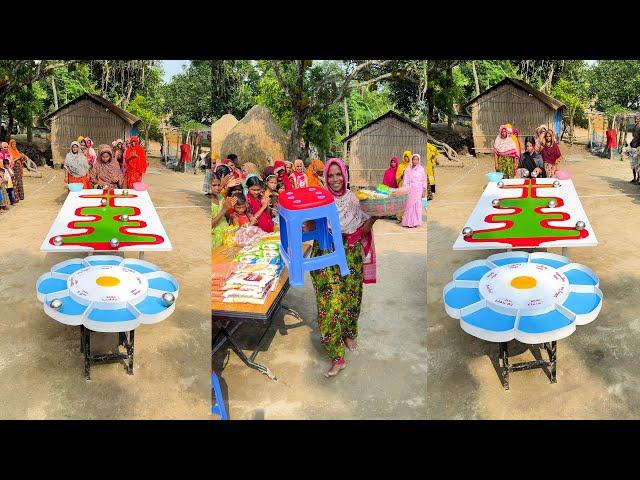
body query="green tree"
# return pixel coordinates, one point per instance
(235, 86)
(187, 97)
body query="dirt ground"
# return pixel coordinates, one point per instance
(597, 365)
(384, 379)
(40, 361)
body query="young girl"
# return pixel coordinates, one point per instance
(259, 205)
(280, 169)
(299, 178)
(239, 216)
(90, 153)
(4, 195)
(219, 208)
(551, 155)
(8, 180)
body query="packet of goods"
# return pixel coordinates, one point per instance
(384, 189)
(271, 237)
(251, 279)
(248, 236)
(365, 194)
(271, 245)
(229, 236)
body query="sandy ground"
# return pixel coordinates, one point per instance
(40, 361)
(384, 379)
(597, 365)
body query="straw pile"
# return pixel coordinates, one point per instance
(256, 138)
(219, 130)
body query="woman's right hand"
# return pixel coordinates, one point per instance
(225, 180)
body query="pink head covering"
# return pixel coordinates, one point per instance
(88, 142)
(343, 169)
(506, 147)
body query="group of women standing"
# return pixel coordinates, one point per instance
(540, 158)
(410, 174)
(11, 171)
(118, 165)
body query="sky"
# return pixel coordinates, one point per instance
(172, 67)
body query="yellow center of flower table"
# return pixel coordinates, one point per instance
(523, 282)
(107, 281)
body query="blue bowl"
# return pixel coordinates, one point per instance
(494, 176)
(75, 187)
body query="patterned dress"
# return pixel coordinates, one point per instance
(217, 231)
(506, 165)
(18, 186)
(338, 300)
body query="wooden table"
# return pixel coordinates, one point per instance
(230, 316)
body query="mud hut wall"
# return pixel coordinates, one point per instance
(88, 119)
(507, 104)
(369, 151)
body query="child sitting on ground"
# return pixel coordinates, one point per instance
(239, 216)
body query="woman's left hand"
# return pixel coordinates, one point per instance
(368, 225)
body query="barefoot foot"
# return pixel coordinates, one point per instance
(351, 344)
(336, 366)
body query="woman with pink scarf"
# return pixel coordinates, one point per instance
(89, 152)
(415, 179)
(506, 151)
(339, 298)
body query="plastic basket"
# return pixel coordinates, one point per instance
(382, 207)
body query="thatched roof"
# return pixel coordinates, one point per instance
(543, 97)
(123, 114)
(256, 138)
(219, 131)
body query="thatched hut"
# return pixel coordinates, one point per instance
(256, 138)
(511, 101)
(368, 150)
(91, 116)
(219, 131)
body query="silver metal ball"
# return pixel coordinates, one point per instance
(114, 242)
(55, 303)
(495, 202)
(580, 225)
(125, 217)
(467, 231)
(103, 201)
(500, 184)
(552, 203)
(168, 299)
(556, 183)
(57, 240)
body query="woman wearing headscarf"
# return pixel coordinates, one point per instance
(314, 172)
(406, 159)
(432, 162)
(118, 152)
(135, 159)
(106, 172)
(90, 153)
(289, 166)
(551, 155)
(339, 298)
(280, 170)
(18, 159)
(389, 178)
(4, 152)
(505, 152)
(249, 168)
(415, 179)
(76, 167)
(298, 177)
(540, 131)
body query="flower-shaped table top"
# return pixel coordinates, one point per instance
(530, 297)
(107, 293)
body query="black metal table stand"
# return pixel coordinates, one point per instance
(226, 335)
(506, 368)
(126, 339)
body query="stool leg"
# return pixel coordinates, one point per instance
(322, 234)
(296, 266)
(338, 247)
(284, 237)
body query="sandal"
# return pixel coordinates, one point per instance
(336, 366)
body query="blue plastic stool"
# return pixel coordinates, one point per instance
(297, 207)
(218, 407)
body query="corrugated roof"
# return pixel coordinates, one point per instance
(543, 97)
(123, 114)
(390, 113)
